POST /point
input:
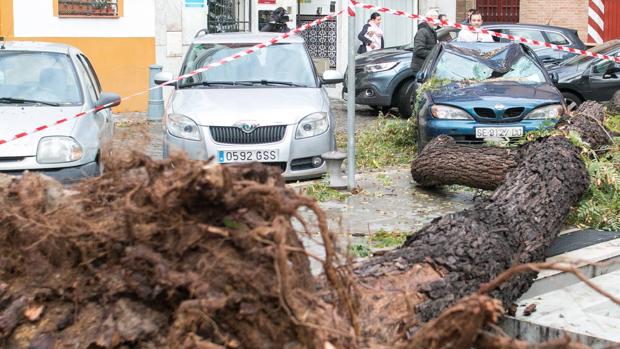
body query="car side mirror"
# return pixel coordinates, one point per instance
(163, 77)
(108, 100)
(554, 77)
(420, 77)
(332, 77)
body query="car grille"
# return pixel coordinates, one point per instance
(513, 112)
(281, 165)
(485, 113)
(489, 113)
(234, 135)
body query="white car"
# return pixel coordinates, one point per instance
(42, 84)
(269, 106)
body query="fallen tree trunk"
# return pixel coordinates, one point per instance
(513, 226)
(443, 162)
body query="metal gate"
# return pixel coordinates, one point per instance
(506, 11)
(227, 16)
(321, 40)
(611, 20)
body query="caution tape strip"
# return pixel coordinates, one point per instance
(484, 31)
(221, 62)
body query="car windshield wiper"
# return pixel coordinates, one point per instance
(11, 100)
(212, 83)
(272, 82)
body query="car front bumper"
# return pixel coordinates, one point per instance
(294, 159)
(65, 175)
(464, 131)
(372, 88)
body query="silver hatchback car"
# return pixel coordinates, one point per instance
(40, 84)
(268, 106)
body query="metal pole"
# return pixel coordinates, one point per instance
(351, 102)
(156, 96)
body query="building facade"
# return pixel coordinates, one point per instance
(596, 21)
(119, 39)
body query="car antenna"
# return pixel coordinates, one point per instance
(2, 47)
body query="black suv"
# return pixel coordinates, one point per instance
(383, 78)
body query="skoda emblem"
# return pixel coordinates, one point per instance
(500, 106)
(247, 127)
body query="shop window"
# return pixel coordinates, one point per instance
(88, 8)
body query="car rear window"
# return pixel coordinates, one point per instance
(42, 76)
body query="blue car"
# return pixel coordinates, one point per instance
(477, 92)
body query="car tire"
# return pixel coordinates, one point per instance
(383, 109)
(572, 101)
(405, 99)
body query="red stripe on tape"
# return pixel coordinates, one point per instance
(2, 141)
(60, 121)
(20, 135)
(41, 128)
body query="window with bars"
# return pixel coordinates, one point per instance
(88, 8)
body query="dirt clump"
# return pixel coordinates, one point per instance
(156, 254)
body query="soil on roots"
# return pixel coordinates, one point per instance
(153, 254)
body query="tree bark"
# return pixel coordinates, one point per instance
(466, 249)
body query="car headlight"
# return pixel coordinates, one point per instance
(312, 125)
(183, 127)
(58, 149)
(373, 68)
(449, 113)
(554, 111)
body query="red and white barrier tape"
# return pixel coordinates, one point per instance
(222, 61)
(485, 31)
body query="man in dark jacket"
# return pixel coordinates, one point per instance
(424, 41)
(277, 22)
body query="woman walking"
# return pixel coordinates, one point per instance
(371, 35)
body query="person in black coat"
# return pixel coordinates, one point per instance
(373, 22)
(424, 41)
(277, 22)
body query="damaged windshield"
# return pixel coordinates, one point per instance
(456, 67)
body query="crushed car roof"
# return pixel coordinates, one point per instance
(497, 56)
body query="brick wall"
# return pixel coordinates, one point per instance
(462, 6)
(563, 13)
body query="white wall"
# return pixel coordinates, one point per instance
(35, 18)
(443, 6)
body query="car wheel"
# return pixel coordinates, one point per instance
(406, 96)
(572, 101)
(383, 109)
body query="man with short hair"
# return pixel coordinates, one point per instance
(424, 41)
(468, 36)
(468, 15)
